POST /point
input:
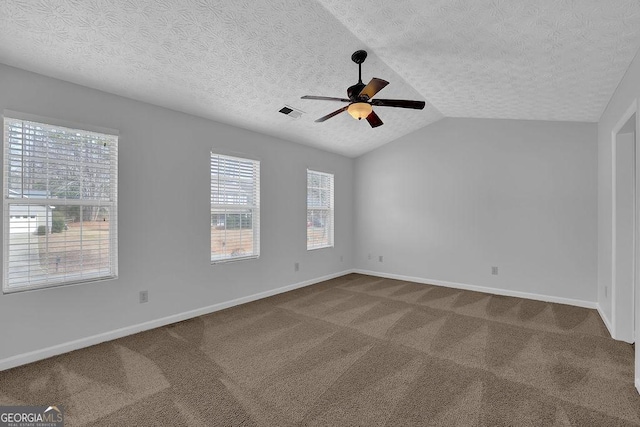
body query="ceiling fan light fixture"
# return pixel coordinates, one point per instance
(360, 110)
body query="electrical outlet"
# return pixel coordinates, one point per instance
(296, 266)
(144, 297)
(341, 258)
(369, 256)
(606, 292)
(380, 258)
(494, 271)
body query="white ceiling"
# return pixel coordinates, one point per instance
(240, 61)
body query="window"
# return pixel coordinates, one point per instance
(235, 208)
(60, 205)
(319, 210)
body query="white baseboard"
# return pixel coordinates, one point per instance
(496, 291)
(638, 385)
(605, 320)
(23, 359)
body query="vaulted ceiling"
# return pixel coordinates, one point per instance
(241, 61)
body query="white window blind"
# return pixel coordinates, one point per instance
(235, 208)
(60, 205)
(319, 210)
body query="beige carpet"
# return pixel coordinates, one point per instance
(357, 350)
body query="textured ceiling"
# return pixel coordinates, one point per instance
(240, 61)
(540, 59)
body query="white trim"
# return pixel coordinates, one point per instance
(631, 110)
(238, 155)
(638, 385)
(476, 288)
(23, 359)
(605, 320)
(32, 356)
(59, 122)
(614, 239)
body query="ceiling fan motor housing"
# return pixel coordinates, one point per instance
(354, 91)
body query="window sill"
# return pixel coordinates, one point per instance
(320, 247)
(20, 289)
(234, 259)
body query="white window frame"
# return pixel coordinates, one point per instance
(10, 199)
(330, 210)
(224, 207)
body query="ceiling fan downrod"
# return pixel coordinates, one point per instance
(358, 57)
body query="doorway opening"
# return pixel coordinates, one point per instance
(624, 230)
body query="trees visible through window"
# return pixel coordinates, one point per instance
(235, 208)
(319, 210)
(60, 204)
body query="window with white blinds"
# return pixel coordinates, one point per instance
(319, 210)
(235, 208)
(60, 205)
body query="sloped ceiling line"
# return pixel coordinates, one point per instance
(240, 61)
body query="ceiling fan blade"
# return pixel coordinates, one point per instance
(401, 103)
(373, 87)
(325, 98)
(335, 113)
(374, 120)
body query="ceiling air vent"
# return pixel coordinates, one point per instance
(291, 112)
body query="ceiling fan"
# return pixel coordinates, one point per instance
(360, 102)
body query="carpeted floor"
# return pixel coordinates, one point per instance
(356, 350)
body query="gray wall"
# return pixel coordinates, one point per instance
(449, 201)
(164, 217)
(444, 203)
